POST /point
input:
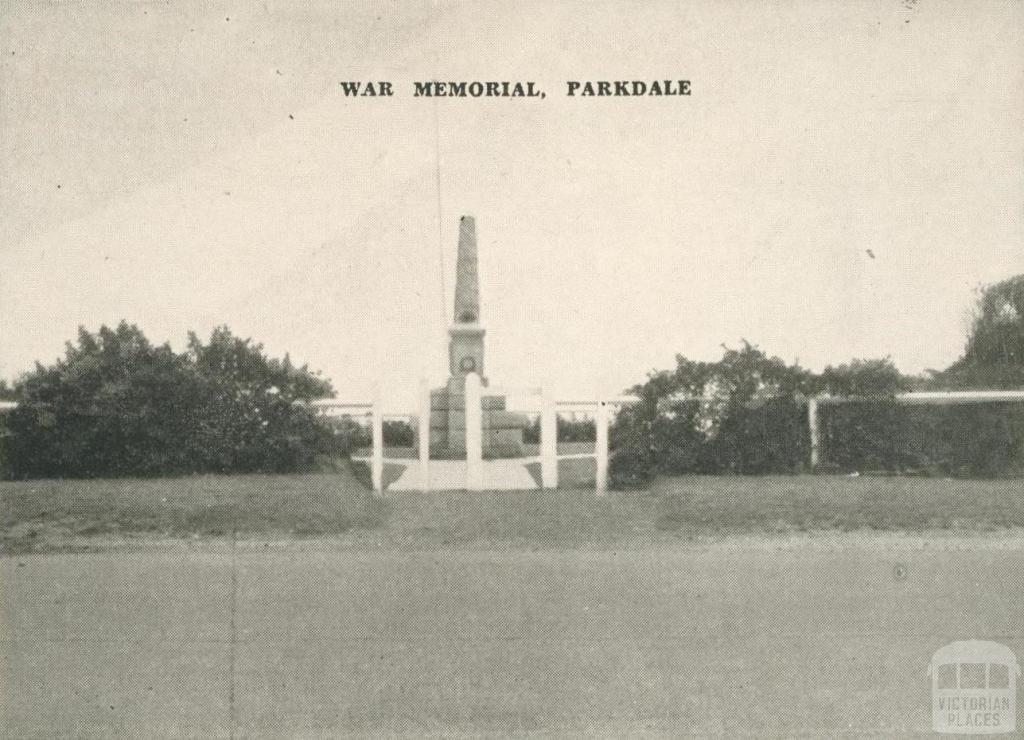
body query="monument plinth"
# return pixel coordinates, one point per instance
(502, 429)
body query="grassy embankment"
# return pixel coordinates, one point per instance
(66, 514)
(41, 516)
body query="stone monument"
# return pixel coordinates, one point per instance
(502, 429)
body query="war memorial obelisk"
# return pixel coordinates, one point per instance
(502, 429)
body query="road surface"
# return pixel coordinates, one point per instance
(823, 636)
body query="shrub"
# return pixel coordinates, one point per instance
(769, 437)
(115, 405)
(740, 414)
(969, 440)
(398, 433)
(568, 430)
(746, 414)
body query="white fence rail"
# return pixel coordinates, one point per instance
(601, 409)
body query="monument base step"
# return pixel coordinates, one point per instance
(450, 475)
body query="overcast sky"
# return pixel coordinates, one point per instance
(841, 179)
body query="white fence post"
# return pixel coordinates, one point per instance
(474, 434)
(377, 463)
(812, 423)
(548, 442)
(601, 447)
(424, 433)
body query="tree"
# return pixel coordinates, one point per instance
(758, 423)
(101, 410)
(867, 378)
(254, 418)
(115, 405)
(994, 355)
(6, 392)
(740, 414)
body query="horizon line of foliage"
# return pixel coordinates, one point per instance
(116, 405)
(746, 413)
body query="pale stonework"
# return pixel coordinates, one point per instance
(502, 430)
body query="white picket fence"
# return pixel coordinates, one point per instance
(548, 406)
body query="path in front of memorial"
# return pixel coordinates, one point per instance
(817, 636)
